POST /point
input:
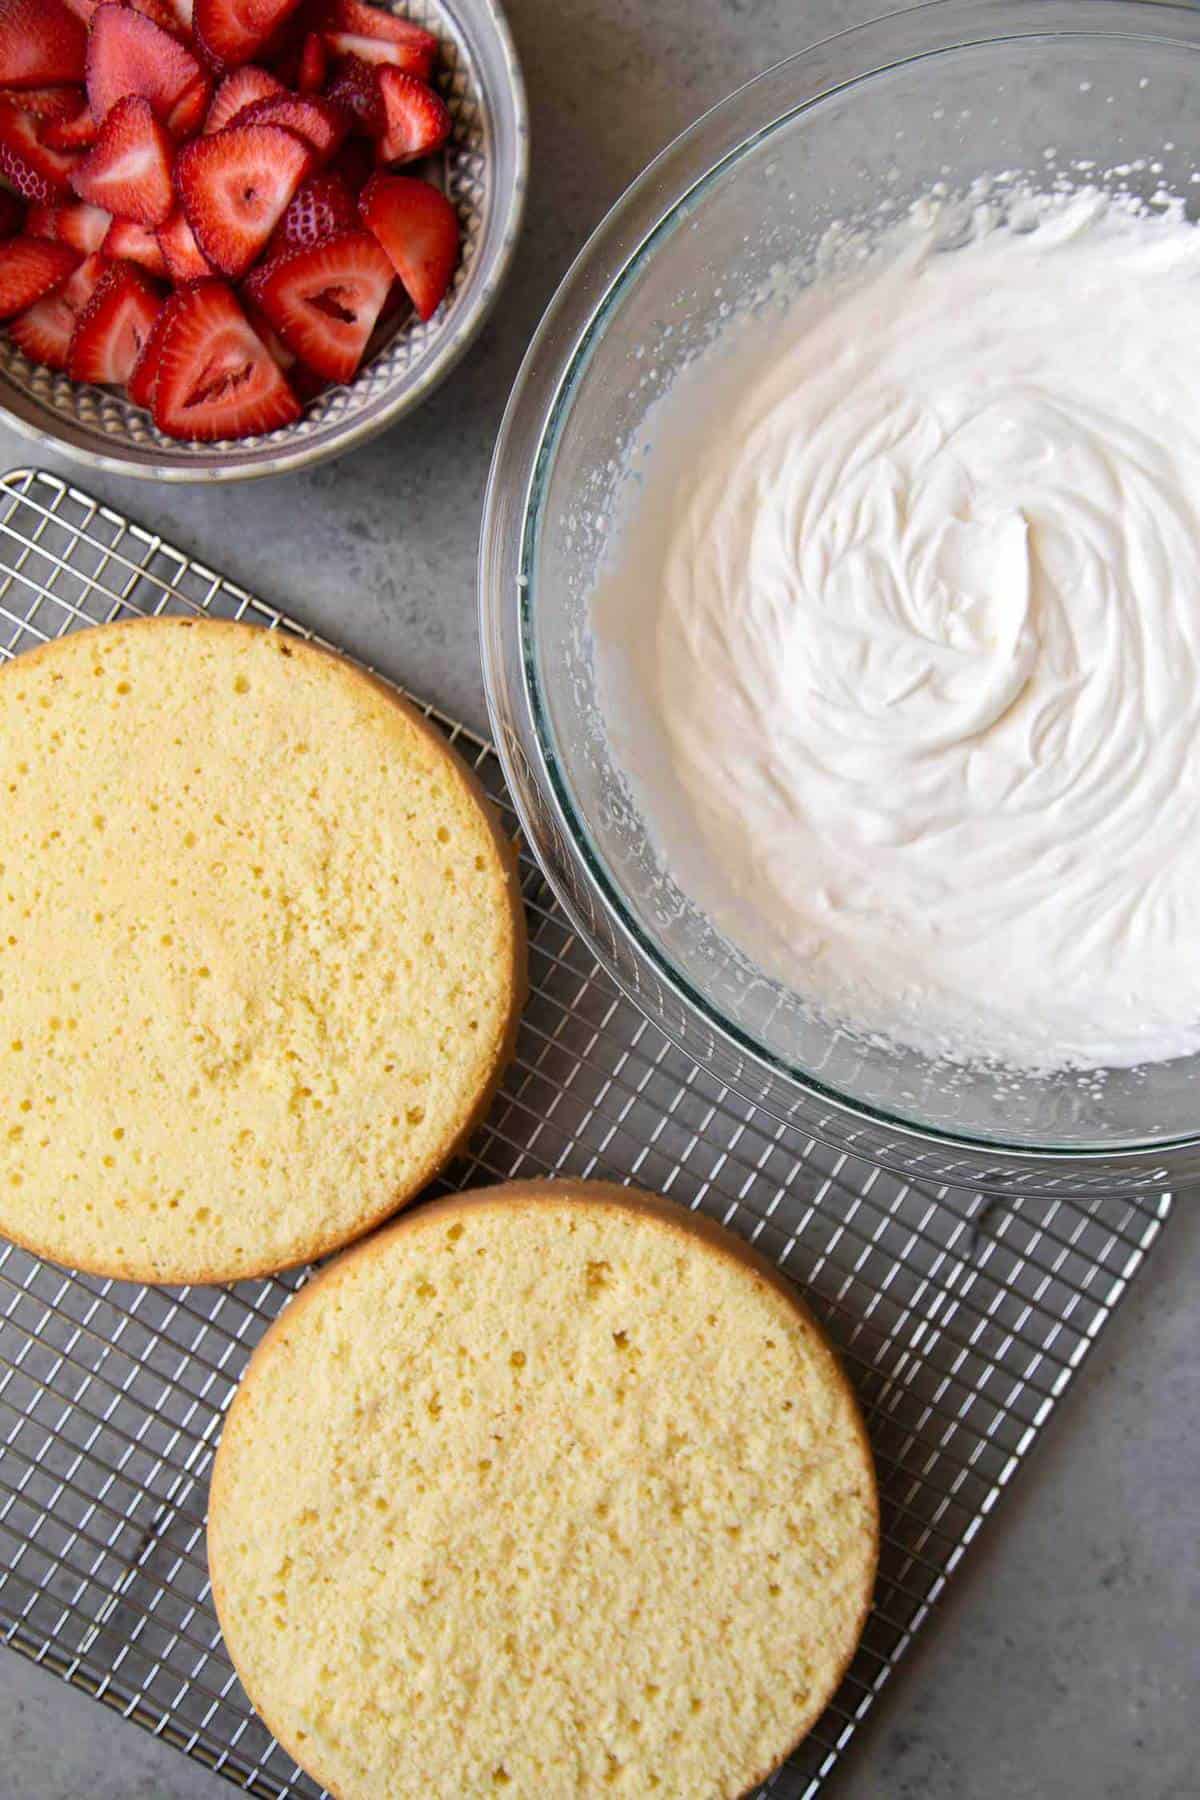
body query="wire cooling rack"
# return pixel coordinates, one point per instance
(962, 1319)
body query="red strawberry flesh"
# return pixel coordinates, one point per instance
(34, 170)
(215, 377)
(78, 132)
(417, 120)
(45, 329)
(48, 104)
(128, 242)
(234, 31)
(418, 228)
(29, 268)
(113, 327)
(77, 224)
(128, 54)
(324, 302)
(237, 91)
(183, 256)
(42, 42)
(355, 89)
(235, 186)
(128, 169)
(320, 123)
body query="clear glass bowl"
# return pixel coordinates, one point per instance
(945, 93)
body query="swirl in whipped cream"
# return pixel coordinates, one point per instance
(911, 585)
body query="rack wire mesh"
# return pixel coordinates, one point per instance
(961, 1319)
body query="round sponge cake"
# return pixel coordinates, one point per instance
(261, 950)
(550, 1490)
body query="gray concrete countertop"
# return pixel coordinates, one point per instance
(1065, 1661)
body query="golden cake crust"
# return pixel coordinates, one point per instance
(262, 952)
(662, 1422)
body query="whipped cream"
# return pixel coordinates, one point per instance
(898, 639)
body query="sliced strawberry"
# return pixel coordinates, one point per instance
(79, 132)
(128, 169)
(418, 120)
(320, 123)
(378, 53)
(313, 65)
(235, 186)
(324, 302)
(35, 171)
(160, 14)
(127, 242)
(418, 228)
(45, 330)
(144, 374)
(29, 268)
(215, 377)
(41, 41)
(182, 10)
(83, 10)
(356, 90)
(45, 103)
(321, 208)
(80, 225)
(183, 256)
(355, 28)
(238, 91)
(129, 55)
(113, 327)
(12, 215)
(234, 31)
(191, 109)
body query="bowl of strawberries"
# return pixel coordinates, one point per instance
(240, 236)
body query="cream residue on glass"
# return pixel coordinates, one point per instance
(898, 637)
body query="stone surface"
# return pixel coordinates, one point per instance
(1066, 1658)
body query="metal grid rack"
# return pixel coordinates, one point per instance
(962, 1319)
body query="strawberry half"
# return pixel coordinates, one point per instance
(355, 89)
(46, 104)
(29, 268)
(319, 122)
(81, 226)
(215, 378)
(418, 121)
(144, 374)
(127, 242)
(45, 330)
(35, 171)
(379, 53)
(235, 186)
(313, 65)
(378, 36)
(129, 55)
(41, 42)
(324, 302)
(113, 327)
(12, 214)
(238, 91)
(191, 109)
(182, 254)
(128, 170)
(79, 132)
(418, 229)
(234, 31)
(321, 208)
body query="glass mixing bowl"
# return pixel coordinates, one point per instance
(946, 93)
